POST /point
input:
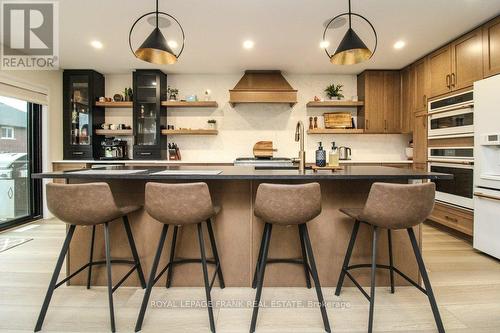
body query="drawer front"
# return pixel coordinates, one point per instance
(146, 154)
(455, 218)
(78, 153)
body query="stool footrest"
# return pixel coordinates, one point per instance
(180, 262)
(403, 275)
(94, 263)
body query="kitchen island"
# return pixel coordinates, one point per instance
(238, 231)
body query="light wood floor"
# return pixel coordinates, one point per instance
(466, 284)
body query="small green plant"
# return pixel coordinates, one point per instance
(172, 93)
(334, 91)
(212, 121)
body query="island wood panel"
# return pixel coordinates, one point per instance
(238, 233)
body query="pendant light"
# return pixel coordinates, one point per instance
(155, 48)
(351, 50)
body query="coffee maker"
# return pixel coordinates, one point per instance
(114, 149)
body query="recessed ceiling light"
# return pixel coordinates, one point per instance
(399, 44)
(96, 44)
(248, 44)
(173, 44)
(324, 44)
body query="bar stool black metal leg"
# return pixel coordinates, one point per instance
(347, 257)
(314, 273)
(91, 257)
(152, 277)
(259, 259)
(172, 257)
(261, 265)
(53, 280)
(213, 245)
(425, 279)
(133, 249)
(304, 258)
(205, 278)
(373, 274)
(391, 260)
(107, 245)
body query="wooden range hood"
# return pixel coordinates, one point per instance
(263, 86)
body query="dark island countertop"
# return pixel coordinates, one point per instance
(241, 173)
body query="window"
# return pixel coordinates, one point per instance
(7, 133)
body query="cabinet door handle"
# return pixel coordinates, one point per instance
(424, 100)
(452, 219)
(366, 123)
(78, 153)
(453, 79)
(145, 154)
(486, 196)
(385, 125)
(448, 81)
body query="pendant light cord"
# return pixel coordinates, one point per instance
(349, 14)
(157, 13)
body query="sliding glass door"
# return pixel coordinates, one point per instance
(20, 156)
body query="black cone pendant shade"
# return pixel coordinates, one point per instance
(351, 50)
(155, 50)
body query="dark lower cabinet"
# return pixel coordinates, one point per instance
(81, 89)
(150, 88)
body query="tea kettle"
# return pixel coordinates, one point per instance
(344, 153)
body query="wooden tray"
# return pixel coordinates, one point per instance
(333, 169)
(338, 120)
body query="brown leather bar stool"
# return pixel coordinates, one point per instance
(178, 205)
(392, 207)
(89, 205)
(287, 205)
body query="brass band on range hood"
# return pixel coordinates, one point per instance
(263, 86)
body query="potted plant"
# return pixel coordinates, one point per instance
(212, 124)
(334, 91)
(172, 93)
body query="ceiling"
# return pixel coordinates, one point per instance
(286, 33)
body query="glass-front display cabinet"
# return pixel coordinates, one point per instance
(149, 91)
(81, 89)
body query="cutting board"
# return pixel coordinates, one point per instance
(263, 149)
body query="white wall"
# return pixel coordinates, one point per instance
(240, 127)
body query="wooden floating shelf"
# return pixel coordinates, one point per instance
(176, 104)
(336, 131)
(190, 132)
(334, 104)
(114, 132)
(184, 104)
(114, 104)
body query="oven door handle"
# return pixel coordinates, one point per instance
(486, 196)
(465, 106)
(452, 162)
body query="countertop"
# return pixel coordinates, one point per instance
(215, 163)
(247, 173)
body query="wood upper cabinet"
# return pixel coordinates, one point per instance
(421, 92)
(380, 91)
(420, 138)
(392, 102)
(467, 60)
(407, 98)
(491, 47)
(440, 71)
(456, 65)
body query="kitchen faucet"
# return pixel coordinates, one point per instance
(299, 136)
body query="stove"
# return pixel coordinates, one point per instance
(273, 161)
